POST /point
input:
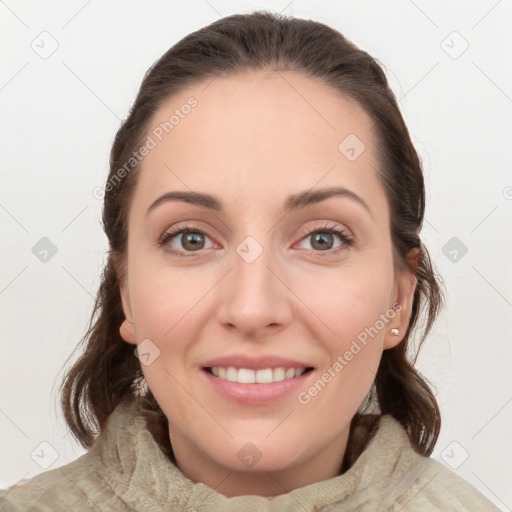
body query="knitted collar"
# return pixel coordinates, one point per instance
(136, 468)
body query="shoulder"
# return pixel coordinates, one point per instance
(423, 483)
(439, 488)
(74, 486)
(83, 484)
(407, 481)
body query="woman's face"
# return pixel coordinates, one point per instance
(261, 288)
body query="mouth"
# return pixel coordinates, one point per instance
(255, 379)
(259, 386)
(259, 376)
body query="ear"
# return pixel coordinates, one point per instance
(404, 289)
(127, 328)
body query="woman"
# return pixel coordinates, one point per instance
(248, 348)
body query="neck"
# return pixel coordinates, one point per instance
(264, 483)
(199, 467)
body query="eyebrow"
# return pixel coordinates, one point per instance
(292, 203)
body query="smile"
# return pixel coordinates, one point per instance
(261, 376)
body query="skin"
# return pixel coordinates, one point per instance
(254, 138)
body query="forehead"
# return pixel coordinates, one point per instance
(263, 132)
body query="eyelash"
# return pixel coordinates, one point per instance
(347, 240)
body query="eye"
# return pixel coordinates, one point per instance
(190, 238)
(324, 236)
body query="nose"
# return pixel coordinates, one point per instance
(254, 297)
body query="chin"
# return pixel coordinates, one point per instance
(259, 455)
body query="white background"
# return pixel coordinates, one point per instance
(60, 115)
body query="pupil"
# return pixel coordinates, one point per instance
(323, 236)
(192, 238)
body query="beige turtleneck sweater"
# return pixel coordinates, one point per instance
(126, 470)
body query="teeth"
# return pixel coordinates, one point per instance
(264, 376)
(279, 374)
(246, 376)
(232, 374)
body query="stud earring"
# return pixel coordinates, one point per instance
(395, 331)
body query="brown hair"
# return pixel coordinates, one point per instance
(108, 371)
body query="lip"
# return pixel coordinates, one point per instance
(255, 363)
(256, 394)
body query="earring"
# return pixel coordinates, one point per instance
(395, 331)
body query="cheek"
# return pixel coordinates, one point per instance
(166, 303)
(350, 305)
(349, 300)
(337, 303)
